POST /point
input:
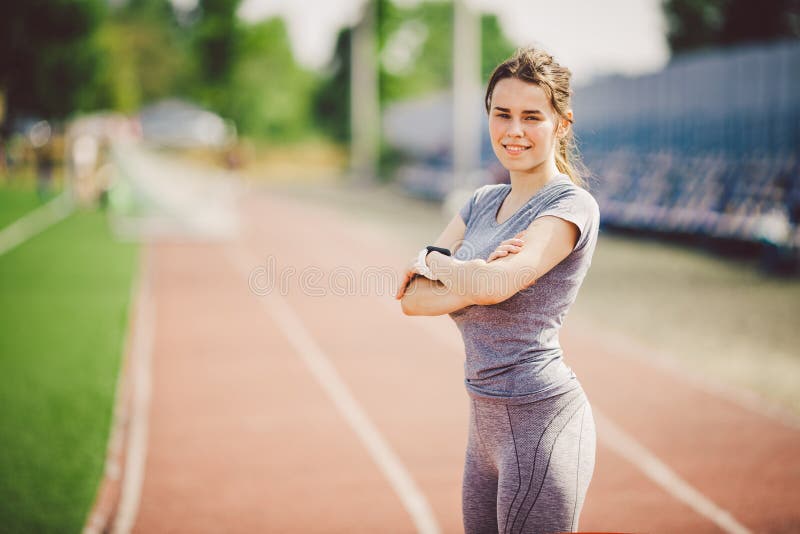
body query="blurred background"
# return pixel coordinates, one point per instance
(127, 121)
(688, 110)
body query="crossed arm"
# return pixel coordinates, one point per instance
(545, 243)
(421, 296)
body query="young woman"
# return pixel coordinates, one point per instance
(521, 252)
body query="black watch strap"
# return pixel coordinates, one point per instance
(441, 250)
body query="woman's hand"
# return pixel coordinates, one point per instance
(410, 273)
(509, 246)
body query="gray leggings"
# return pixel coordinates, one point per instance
(528, 466)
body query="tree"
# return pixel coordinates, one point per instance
(147, 56)
(267, 94)
(694, 24)
(416, 48)
(415, 54)
(331, 99)
(495, 46)
(49, 57)
(216, 39)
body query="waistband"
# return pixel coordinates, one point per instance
(557, 389)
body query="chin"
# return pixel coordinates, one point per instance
(518, 166)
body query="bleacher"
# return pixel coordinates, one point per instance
(746, 199)
(709, 145)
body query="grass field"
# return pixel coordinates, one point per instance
(715, 317)
(16, 201)
(63, 319)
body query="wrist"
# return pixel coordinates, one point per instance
(433, 250)
(422, 265)
(434, 259)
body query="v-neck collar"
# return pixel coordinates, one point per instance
(557, 178)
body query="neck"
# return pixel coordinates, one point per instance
(524, 184)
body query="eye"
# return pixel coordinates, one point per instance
(532, 118)
(503, 115)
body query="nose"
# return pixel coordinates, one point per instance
(515, 128)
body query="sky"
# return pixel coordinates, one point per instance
(591, 38)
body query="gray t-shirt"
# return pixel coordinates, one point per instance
(512, 349)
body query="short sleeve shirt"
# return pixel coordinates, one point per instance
(512, 348)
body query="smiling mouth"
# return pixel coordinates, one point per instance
(515, 149)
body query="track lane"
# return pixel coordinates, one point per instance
(242, 439)
(418, 403)
(414, 396)
(363, 314)
(746, 463)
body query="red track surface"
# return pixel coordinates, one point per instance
(242, 437)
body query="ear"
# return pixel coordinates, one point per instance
(565, 124)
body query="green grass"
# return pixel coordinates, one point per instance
(64, 299)
(16, 201)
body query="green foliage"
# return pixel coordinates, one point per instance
(495, 48)
(117, 59)
(424, 35)
(268, 95)
(49, 56)
(216, 37)
(427, 29)
(415, 53)
(141, 52)
(694, 24)
(331, 98)
(147, 56)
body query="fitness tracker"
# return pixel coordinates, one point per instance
(445, 251)
(420, 267)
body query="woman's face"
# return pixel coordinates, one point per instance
(522, 125)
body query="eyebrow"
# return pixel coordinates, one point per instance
(525, 112)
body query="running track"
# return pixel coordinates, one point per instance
(295, 412)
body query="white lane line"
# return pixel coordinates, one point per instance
(657, 471)
(326, 375)
(34, 222)
(102, 513)
(633, 452)
(141, 365)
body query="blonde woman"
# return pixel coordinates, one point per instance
(519, 255)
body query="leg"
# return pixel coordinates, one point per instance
(549, 467)
(587, 446)
(479, 490)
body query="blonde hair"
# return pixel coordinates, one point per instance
(537, 66)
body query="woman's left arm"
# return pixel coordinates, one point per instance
(421, 296)
(431, 297)
(548, 241)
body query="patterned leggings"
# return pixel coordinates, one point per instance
(528, 466)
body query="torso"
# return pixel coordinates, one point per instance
(512, 348)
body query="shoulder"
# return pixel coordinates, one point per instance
(578, 206)
(576, 196)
